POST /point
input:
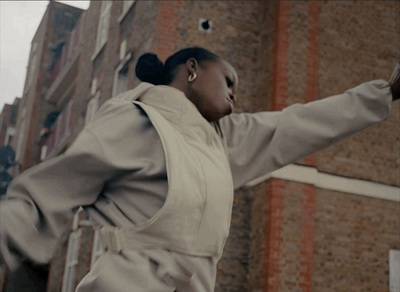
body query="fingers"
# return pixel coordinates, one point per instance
(394, 81)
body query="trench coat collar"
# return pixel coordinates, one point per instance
(176, 108)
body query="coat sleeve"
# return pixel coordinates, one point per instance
(262, 142)
(40, 202)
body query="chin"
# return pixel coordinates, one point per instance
(224, 115)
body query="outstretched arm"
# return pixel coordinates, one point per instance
(263, 142)
(40, 202)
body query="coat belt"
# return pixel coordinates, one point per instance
(112, 239)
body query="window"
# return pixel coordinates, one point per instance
(394, 270)
(71, 261)
(32, 66)
(121, 77)
(43, 153)
(127, 4)
(103, 27)
(122, 50)
(94, 87)
(98, 249)
(92, 107)
(10, 133)
(21, 137)
(31, 73)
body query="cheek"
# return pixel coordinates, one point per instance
(211, 96)
(209, 93)
(221, 94)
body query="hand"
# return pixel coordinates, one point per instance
(394, 81)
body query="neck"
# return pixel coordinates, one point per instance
(180, 80)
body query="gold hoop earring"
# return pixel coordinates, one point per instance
(192, 77)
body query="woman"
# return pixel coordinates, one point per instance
(157, 167)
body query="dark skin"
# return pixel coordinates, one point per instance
(394, 82)
(213, 91)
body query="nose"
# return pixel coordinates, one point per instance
(232, 97)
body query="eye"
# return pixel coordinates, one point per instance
(229, 82)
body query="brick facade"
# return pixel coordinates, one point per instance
(355, 49)
(352, 237)
(54, 29)
(285, 235)
(306, 253)
(311, 239)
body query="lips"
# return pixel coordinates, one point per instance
(230, 103)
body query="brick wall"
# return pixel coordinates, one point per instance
(27, 112)
(85, 78)
(242, 33)
(352, 238)
(57, 265)
(54, 28)
(102, 67)
(167, 37)
(307, 239)
(232, 270)
(139, 40)
(359, 47)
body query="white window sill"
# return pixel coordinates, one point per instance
(97, 52)
(124, 13)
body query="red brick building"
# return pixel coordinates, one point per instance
(8, 120)
(326, 223)
(47, 46)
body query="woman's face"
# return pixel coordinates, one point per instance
(213, 91)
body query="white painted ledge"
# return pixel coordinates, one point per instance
(310, 175)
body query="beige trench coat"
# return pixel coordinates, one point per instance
(41, 201)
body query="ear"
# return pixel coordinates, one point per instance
(192, 65)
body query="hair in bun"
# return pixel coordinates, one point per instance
(150, 69)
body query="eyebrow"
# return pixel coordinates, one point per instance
(228, 68)
(233, 77)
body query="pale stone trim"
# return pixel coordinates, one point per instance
(310, 175)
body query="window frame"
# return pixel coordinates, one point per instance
(71, 261)
(119, 72)
(394, 266)
(103, 27)
(92, 107)
(126, 6)
(98, 249)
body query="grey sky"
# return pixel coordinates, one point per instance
(19, 21)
